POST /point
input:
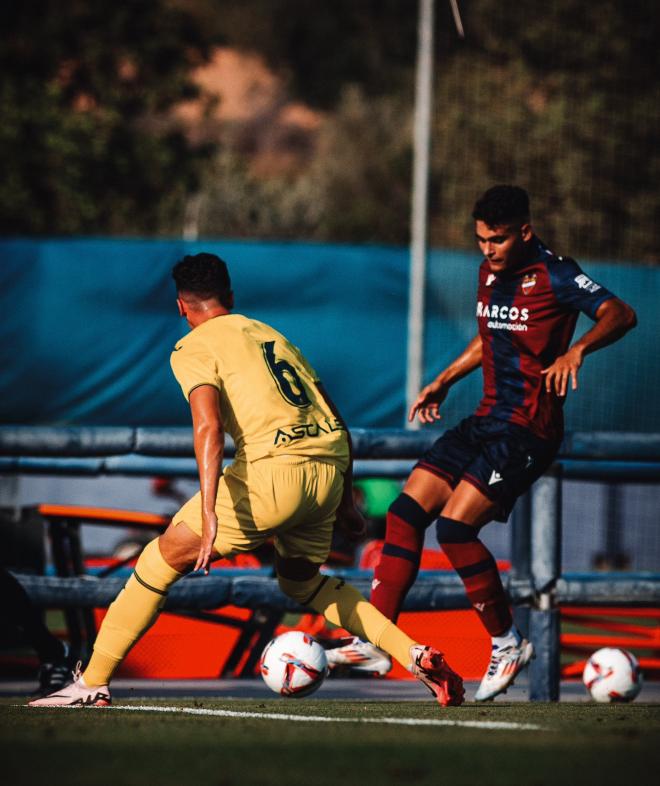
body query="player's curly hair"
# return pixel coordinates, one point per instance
(203, 275)
(502, 205)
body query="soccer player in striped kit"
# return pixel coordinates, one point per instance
(527, 305)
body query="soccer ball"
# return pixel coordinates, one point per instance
(612, 675)
(293, 664)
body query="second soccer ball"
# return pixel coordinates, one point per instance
(612, 675)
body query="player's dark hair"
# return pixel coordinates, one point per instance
(203, 275)
(502, 205)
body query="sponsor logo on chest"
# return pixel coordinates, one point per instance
(503, 317)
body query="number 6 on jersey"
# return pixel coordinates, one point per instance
(286, 377)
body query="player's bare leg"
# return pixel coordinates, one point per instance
(430, 490)
(135, 609)
(179, 546)
(469, 505)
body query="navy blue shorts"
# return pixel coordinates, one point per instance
(501, 459)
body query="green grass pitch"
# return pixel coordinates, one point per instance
(558, 744)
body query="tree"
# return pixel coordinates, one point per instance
(86, 141)
(560, 97)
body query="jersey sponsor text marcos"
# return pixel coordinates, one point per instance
(526, 320)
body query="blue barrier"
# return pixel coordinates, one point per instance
(176, 442)
(117, 450)
(93, 321)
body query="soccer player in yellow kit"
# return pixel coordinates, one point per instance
(291, 478)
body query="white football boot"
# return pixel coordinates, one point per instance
(76, 694)
(505, 664)
(359, 656)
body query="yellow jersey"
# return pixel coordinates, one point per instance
(269, 400)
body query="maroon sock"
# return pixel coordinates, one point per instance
(476, 566)
(398, 565)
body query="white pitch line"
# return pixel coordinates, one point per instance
(496, 725)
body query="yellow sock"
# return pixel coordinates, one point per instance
(131, 614)
(396, 643)
(343, 605)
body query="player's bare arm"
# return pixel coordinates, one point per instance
(209, 444)
(614, 319)
(349, 518)
(427, 404)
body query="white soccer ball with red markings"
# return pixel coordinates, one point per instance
(612, 675)
(293, 664)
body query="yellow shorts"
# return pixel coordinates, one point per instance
(293, 498)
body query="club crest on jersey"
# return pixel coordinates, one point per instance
(528, 284)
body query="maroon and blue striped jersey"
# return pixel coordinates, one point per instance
(526, 320)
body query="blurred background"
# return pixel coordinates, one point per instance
(291, 119)
(278, 133)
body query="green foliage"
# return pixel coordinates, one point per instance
(363, 172)
(85, 144)
(611, 42)
(561, 97)
(355, 187)
(320, 47)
